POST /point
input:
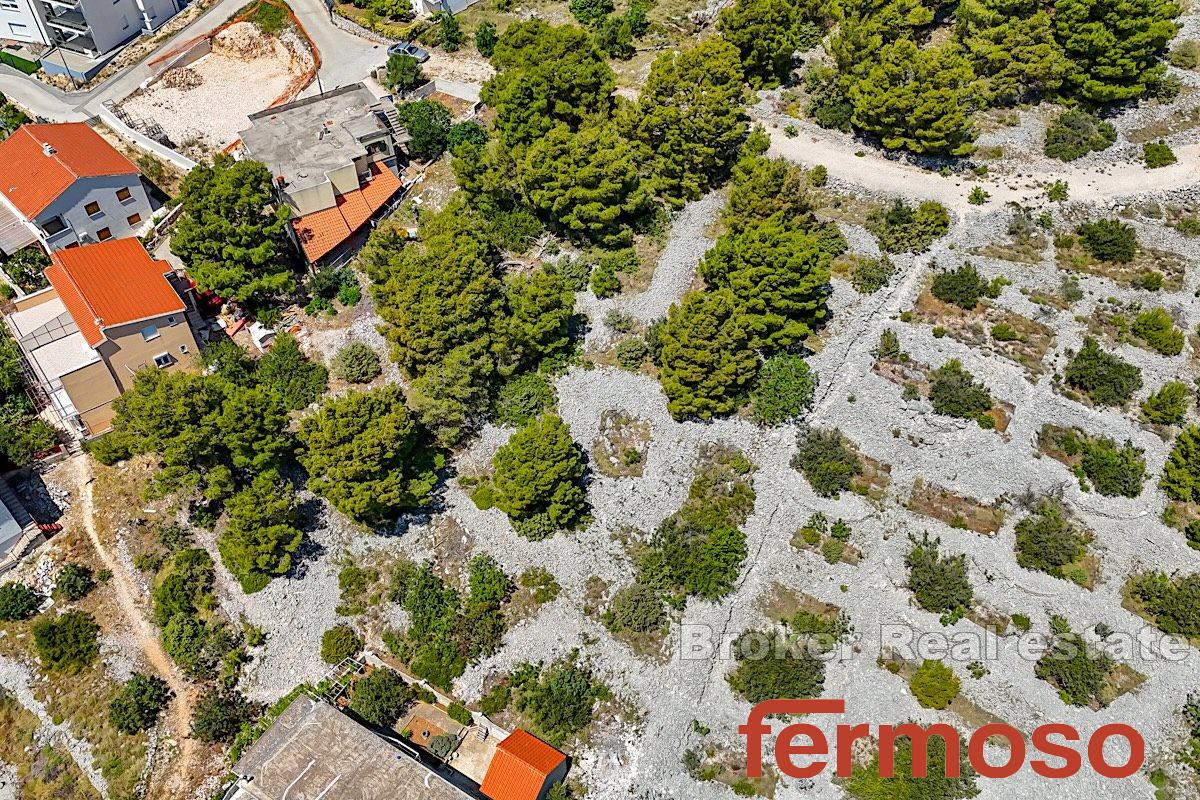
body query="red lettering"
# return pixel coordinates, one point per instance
(754, 728)
(1137, 750)
(1016, 751)
(920, 742)
(786, 748)
(1072, 761)
(846, 736)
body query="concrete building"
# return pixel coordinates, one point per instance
(336, 161)
(110, 311)
(315, 752)
(62, 185)
(19, 532)
(88, 27)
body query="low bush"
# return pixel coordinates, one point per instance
(1114, 471)
(783, 389)
(357, 363)
(68, 642)
(220, 715)
(1156, 328)
(339, 643)
(1109, 240)
(18, 602)
(557, 699)
(1181, 472)
(961, 287)
(1167, 405)
(1173, 602)
(74, 582)
(1157, 154)
(522, 399)
(938, 582)
(766, 670)
(901, 229)
(869, 275)
(1047, 541)
(636, 608)
(1106, 379)
(827, 462)
(934, 684)
(956, 393)
(1185, 54)
(1075, 133)
(1078, 672)
(137, 707)
(380, 698)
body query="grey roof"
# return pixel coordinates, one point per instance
(14, 519)
(315, 751)
(303, 140)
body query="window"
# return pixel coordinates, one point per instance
(150, 332)
(134, 219)
(163, 360)
(92, 209)
(170, 319)
(53, 226)
(103, 233)
(10, 5)
(124, 194)
(18, 29)
(183, 348)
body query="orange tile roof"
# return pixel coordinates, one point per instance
(111, 283)
(32, 180)
(321, 231)
(520, 767)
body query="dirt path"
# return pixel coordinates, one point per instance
(147, 636)
(874, 172)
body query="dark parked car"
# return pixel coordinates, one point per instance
(408, 49)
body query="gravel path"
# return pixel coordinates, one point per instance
(17, 680)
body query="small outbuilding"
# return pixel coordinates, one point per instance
(524, 768)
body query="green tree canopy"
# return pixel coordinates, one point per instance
(428, 123)
(228, 240)
(708, 363)
(546, 75)
(1012, 47)
(768, 32)
(1114, 45)
(365, 455)
(690, 116)
(261, 535)
(538, 475)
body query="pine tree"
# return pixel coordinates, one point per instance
(364, 455)
(261, 535)
(537, 478)
(779, 275)
(690, 116)
(1181, 472)
(708, 360)
(1012, 47)
(918, 99)
(1114, 45)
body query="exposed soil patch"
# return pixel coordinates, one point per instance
(620, 449)
(1148, 260)
(953, 509)
(1022, 250)
(995, 330)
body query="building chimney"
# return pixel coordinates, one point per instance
(47, 149)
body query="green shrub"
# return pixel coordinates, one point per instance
(1079, 673)
(1106, 379)
(68, 642)
(339, 643)
(137, 707)
(1157, 329)
(783, 389)
(1058, 192)
(818, 176)
(977, 196)
(220, 715)
(522, 398)
(1075, 133)
(767, 671)
(1113, 471)
(1157, 154)
(1181, 472)
(1185, 54)
(403, 73)
(632, 352)
(961, 287)
(869, 275)
(827, 462)
(865, 782)
(357, 363)
(380, 697)
(1150, 280)
(1003, 332)
(17, 602)
(537, 478)
(1046, 541)
(638, 608)
(495, 701)
(1173, 602)
(901, 229)
(1109, 240)
(934, 684)
(939, 583)
(459, 714)
(558, 699)
(956, 393)
(1167, 405)
(604, 281)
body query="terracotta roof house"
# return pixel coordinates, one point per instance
(523, 768)
(63, 185)
(110, 310)
(334, 157)
(315, 752)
